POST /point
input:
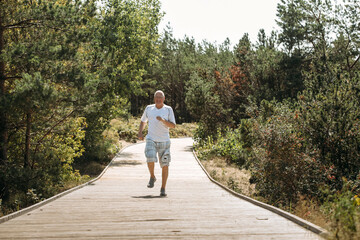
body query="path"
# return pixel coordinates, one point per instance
(120, 206)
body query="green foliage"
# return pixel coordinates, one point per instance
(175, 64)
(128, 129)
(344, 208)
(205, 106)
(50, 168)
(232, 144)
(283, 167)
(180, 61)
(330, 117)
(234, 185)
(287, 107)
(66, 69)
(217, 97)
(300, 145)
(123, 45)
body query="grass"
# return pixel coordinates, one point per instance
(73, 183)
(183, 130)
(229, 175)
(310, 210)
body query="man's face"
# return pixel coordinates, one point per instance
(159, 99)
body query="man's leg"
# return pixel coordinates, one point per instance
(151, 166)
(164, 163)
(165, 174)
(150, 153)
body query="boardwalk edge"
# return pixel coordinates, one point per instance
(48, 200)
(308, 225)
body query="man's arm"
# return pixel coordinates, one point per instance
(166, 123)
(141, 129)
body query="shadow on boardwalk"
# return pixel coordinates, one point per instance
(147, 196)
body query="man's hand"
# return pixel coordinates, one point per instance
(141, 128)
(165, 122)
(141, 136)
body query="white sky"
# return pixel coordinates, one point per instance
(215, 20)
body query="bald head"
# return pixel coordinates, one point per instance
(159, 93)
(159, 98)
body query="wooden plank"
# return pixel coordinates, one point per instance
(120, 206)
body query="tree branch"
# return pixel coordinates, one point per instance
(358, 58)
(13, 77)
(51, 128)
(27, 21)
(32, 22)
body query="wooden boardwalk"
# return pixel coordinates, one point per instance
(120, 206)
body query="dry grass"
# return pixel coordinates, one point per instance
(71, 184)
(183, 130)
(238, 180)
(310, 211)
(229, 175)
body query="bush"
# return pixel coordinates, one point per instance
(282, 168)
(344, 208)
(232, 144)
(205, 105)
(330, 121)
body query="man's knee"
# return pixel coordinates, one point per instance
(150, 151)
(164, 164)
(165, 158)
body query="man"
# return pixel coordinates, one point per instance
(161, 118)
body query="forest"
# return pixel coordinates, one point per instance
(285, 107)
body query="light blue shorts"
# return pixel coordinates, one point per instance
(153, 150)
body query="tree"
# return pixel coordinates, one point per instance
(64, 65)
(176, 62)
(40, 42)
(313, 28)
(325, 36)
(123, 46)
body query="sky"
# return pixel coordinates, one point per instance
(215, 20)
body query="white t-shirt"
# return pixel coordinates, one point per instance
(157, 131)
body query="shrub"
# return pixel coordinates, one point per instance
(282, 168)
(344, 208)
(232, 144)
(330, 120)
(205, 105)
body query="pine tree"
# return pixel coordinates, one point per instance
(63, 66)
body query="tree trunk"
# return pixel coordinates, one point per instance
(3, 117)
(27, 140)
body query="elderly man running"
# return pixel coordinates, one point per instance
(161, 118)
